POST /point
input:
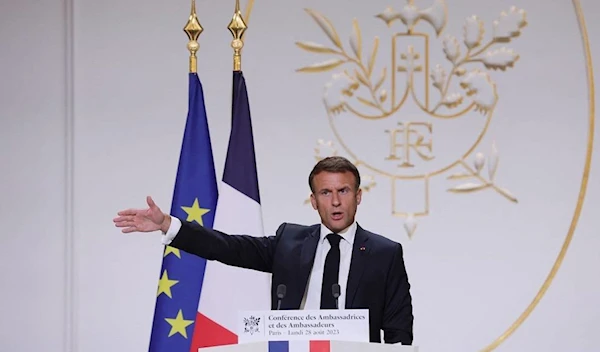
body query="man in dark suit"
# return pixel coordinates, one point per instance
(309, 260)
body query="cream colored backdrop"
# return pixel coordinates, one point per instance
(93, 101)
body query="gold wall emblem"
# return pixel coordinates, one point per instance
(411, 109)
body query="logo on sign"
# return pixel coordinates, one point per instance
(251, 325)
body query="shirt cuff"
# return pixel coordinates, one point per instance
(172, 231)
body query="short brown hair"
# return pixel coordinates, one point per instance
(334, 164)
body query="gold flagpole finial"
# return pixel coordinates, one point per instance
(193, 30)
(237, 27)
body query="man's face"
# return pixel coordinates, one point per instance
(335, 199)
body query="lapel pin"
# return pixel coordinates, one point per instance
(362, 248)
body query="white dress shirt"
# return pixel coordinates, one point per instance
(312, 295)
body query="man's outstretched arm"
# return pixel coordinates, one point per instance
(237, 250)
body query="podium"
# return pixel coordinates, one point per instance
(293, 346)
(345, 330)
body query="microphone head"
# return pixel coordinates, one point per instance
(281, 291)
(335, 289)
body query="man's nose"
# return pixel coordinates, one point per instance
(335, 200)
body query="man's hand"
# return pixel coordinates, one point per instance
(143, 220)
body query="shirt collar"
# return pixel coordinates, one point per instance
(347, 234)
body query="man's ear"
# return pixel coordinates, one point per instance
(313, 201)
(358, 196)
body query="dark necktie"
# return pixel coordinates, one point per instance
(331, 272)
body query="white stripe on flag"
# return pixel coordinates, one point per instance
(227, 290)
(299, 346)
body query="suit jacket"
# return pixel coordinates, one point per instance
(377, 279)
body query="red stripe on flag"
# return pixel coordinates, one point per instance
(320, 346)
(208, 333)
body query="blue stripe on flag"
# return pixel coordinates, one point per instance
(240, 164)
(194, 197)
(279, 346)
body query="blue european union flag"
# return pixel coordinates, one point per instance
(194, 199)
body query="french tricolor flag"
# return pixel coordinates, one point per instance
(299, 346)
(226, 290)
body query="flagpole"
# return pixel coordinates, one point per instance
(193, 29)
(237, 27)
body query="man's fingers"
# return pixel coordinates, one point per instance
(124, 218)
(128, 212)
(127, 218)
(150, 202)
(129, 226)
(124, 223)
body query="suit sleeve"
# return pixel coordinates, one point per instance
(397, 322)
(243, 251)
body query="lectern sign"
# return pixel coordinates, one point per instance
(285, 325)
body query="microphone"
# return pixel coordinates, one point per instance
(335, 290)
(281, 289)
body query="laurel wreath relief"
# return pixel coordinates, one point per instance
(364, 91)
(481, 182)
(477, 84)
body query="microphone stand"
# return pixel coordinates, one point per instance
(281, 290)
